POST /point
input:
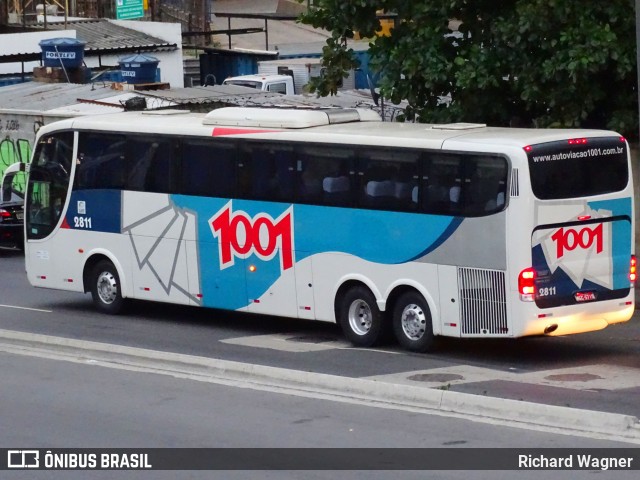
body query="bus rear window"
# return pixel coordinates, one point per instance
(579, 167)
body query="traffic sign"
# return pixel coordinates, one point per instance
(129, 9)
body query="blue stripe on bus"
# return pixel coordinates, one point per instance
(372, 235)
(453, 226)
(375, 236)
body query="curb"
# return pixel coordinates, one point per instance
(516, 413)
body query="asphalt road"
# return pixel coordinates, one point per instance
(597, 371)
(51, 404)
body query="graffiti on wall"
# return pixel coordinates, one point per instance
(17, 134)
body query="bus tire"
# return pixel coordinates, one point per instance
(412, 324)
(105, 288)
(362, 322)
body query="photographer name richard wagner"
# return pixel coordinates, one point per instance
(575, 461)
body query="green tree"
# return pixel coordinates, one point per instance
(558, 63)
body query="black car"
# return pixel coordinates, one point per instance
(11, 215)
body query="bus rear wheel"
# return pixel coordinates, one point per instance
(361, 320)
(105, 288)
(412, 324)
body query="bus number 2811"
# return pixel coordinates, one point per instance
(546, 291)
(82, 222)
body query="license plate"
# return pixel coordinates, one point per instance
(585, 296)
(20, 215)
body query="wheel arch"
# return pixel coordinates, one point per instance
(92, 260)
(396, 291)
(348, 284)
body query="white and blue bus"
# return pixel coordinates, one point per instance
(456, 230)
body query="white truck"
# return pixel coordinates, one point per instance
(266, 83)
(288, 76)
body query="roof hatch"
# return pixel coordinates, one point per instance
(287, 117)
(458, 126)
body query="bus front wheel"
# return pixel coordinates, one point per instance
(412, 324)
(105, 288)
(361, 320)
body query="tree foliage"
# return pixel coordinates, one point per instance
(541, 62)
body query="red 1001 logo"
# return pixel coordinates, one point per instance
(570, 239)
(241, 235)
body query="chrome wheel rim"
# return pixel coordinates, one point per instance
(360, 317)
(107, 287)
(413, 321)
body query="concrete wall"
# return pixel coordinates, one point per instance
(17, 136)
(14, 43)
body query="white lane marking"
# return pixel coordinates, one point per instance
(285, 343)
(27, 308)
(296, 343)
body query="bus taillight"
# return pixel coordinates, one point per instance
(632, 269)
(526, 284)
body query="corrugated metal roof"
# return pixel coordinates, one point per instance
(78, 99)
(48, 96)
(101, 35)
(227, 94)
(210, 93)
(74, 99)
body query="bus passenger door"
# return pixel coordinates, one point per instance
(278, 299)
(449, 300)
(304, 289)
(290, 295)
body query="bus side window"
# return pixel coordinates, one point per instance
(485, 186)
(325, 175)
(442, 185)
(406, 182)
(266, 172)
(100, 162)
(389, 179)
(283, 159)
(150, 164)
(208, 168)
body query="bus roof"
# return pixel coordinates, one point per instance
(280, 124)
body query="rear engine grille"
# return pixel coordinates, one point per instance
(483, 305)
(515, 183)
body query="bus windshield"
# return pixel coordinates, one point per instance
(574, 168)
(48, 183)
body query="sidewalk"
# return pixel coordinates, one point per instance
(379, 392)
